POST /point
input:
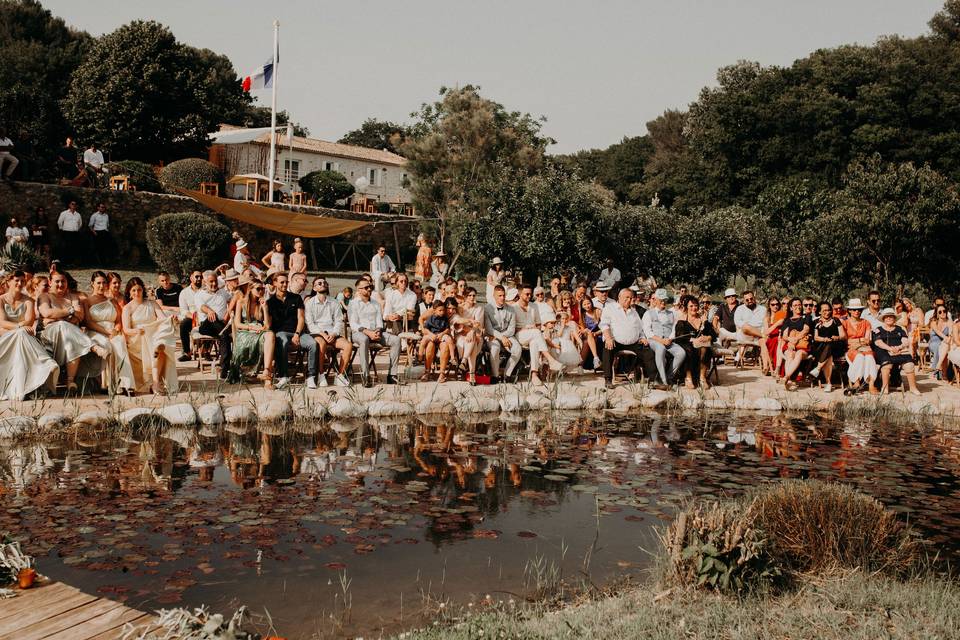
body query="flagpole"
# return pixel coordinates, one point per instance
(273, 109)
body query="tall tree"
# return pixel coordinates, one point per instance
(376, 134)
(618, 167)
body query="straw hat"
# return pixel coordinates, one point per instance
(495, 262)
(731, 292)
(241, 243)
(887, 312)
(854, 304)
(231, 275)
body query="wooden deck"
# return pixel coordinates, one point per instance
(56, 611)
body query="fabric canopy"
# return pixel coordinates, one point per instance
(291, 223)
(259, 177)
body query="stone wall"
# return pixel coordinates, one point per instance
(129, 212)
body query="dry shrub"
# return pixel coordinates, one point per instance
(817, 527)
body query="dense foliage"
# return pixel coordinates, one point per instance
(375, 134)
(326, 187)
(182, 242)
(188, 174)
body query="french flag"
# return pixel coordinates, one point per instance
(262, 78)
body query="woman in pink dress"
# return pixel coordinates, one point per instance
(424, 259)
(298, 259)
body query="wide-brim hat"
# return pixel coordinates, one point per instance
(887, 312)
(513, 294)
(730, 292)
(241, 244)
(854, 304)
(495, 262)
(661, 294)
(440, 254)
(231, 275)
(601, 287)
(245, 279)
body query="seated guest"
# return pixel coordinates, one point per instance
(189, 312)
(345, 297)
(796, 342)
(586, 340)
(562, 336)
(253, 341)
(213, 304)
(287, 320)
(659, 326)
(952, 347)
(437, 338)
(17, 234)
(6, 156)
(723, 319)
(324, 320)
(540, 299)
(601, 297)
(748, 319)
(243, 261)
(609, 276)
(467, 328)
(101, 317)
(839, 311)
(872, 313)
(151, 341)
(623, 331)
(529, 335)
(500, 325)
(590, 323)
(772, 327)
(61, 314)
(366, 325)
(168, 293)
(937, 302)
(829, 342)
(891, 348)
(297, 283)
(114, 288)
(695, 335)
(861, 367)
(400, 306)
(939, 326)
(25, 366)
(424, 306)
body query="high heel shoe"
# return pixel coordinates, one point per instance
(472, 379)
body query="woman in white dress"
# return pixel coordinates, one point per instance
(468, 327)
(102, 321)
(151, 341)
(25, 366)
(563, 338)
(61, 314)
(494, 277)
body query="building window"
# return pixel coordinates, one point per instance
(372, 177)
(331, 166)
(291, 170)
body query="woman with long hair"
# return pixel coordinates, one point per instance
(253, 340)
(590, 331)
(861, 366)
(796, 342)
(275, 260)
(468, 328)
(151, 341)
(25, 365)
(828, 340)
(103, 325)
(114, 290)
(696, 335)
(939, 337)
(423, 269)
(772, 324)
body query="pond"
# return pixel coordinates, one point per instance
(341, 529)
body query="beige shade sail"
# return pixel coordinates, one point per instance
(243, 178)
(305, 225)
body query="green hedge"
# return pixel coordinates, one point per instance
(189, 173)
(184, 242)
(326, 187)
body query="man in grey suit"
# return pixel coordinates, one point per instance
(500, 326)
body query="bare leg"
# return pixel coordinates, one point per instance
(705, 355)
(159, 367)
(445, 349)
(885, 378)
(793, 360)
(72, 367)
(346, 351)
(470, 353)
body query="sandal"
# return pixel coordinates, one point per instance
(790, 386)
(71, 385)
(442, 378)
(425, 377)
(472, 379)
(266, 374)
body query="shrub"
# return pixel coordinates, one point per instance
(383, 207)
(326, 187)
(189, 173)
(182, 242)
(141, 174)
(20, 256)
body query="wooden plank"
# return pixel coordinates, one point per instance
(144, 622)
(10, 626)
(112, 620)
(33, 598)
(71, 619)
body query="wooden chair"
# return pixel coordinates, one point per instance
(210, 189)
(120, 183)
(206, 349)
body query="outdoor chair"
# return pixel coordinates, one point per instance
(206, 349)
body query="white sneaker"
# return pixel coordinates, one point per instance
(341, 380)
(828, 388)
(322, 381)
(311, 383)
(281, 383)
(815, 371)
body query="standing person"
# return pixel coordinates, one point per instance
(381, 268)
(150, 341)
(25, 366)
(189, 312)
(39, 239)
(501, 325)
(610, 275)
(423, 269)
(94, 165)
(275, 260)
(324, 320)
(298, 259)
(891, 347)
(69, 223)
(861, 366)
(242, 261)
(494, 277)
(67, 160)
(102, 240)
(366, 324)
(288, 322)
(440, 269)
(213, 305)
(659, 327)
(6, 156)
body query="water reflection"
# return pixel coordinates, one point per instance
(174, 515)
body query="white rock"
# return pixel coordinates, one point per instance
(240, 414)
(568, 401)
(594, 401)
(538, 402)
(210, 414)
(690, 401)
(512, 402)
(477, 404)
(179, 415)
(716, 404)
(625, 404)
(767, 404)
(16, 426)
(346, 408)
(277, 409)
(54, 421)
(922, 407)
(208, 431)
(656, 399)
(92, 418)
(379, 408)
(130, 414)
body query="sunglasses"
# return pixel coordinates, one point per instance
(366, 288)
(774, 304)
(258, 288)
(809, 305)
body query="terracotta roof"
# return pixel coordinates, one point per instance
(335, 149)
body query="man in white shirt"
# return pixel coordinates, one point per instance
(69, 223)
(872, 313)
(749, 318)
(213, 303)
(659, 326)
(366, 326)
(102, 240)
(381, 268)
(6, 157)
(610, 276)
(324, 319)
(16, 234)
(399, 304)
(622, 331)
(93, 163)
(188, 309)
(601, 297)
(937, 302)
(500, 325)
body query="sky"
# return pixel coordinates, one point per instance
(598, 71)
